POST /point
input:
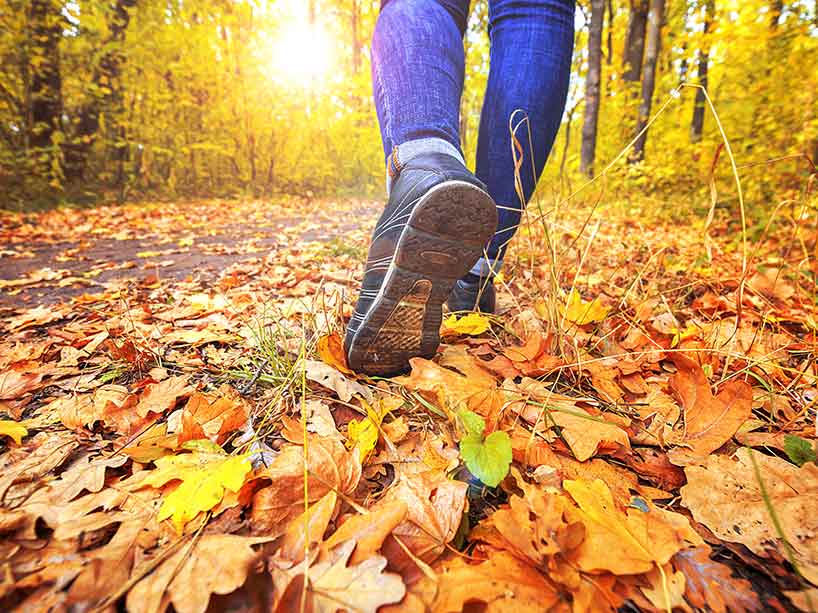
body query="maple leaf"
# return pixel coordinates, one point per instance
(623, 543)
(726, 496)
(203, 417)
(13, 429)
(473, 324)
(204, 479)
(581, 313)
(334, 586)
(501, 583)
(710, 421)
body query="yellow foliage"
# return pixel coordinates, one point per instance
(204, 477)
(580, 312)
(472, 324)
(15, 430)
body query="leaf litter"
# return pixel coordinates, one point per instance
(198, 442)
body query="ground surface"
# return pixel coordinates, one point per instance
(635, 428)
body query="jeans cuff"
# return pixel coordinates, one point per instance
(404, 152)
(487, 267)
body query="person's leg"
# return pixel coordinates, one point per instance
(531, 46)
(439, 216)
(417, 77)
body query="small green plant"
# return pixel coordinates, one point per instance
(799, 450)
(487, 458)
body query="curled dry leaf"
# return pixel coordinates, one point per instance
(332, 379)
(726, 496)
(331, 351)
(710, 421)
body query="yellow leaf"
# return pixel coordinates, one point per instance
(148, 254)
(204, 477)
(15, 430)
(472, 324)
(185, 242)
(363, 434)
(580, 312)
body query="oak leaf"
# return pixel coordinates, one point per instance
(204, 479)
(163, 396)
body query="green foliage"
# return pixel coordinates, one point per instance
(799, 450)
(487, 458)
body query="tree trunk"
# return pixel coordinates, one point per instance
(105, 78)
(592, 89)
(356, 43)
(697, 123)
(652, 48)
(635, 41)
(45, 100)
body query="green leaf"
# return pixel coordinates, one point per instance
(473, 423)
(488, 459)
(799, 450)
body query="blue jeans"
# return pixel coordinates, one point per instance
(418, 69)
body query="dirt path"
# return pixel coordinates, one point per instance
(51, 258)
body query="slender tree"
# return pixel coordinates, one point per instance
(697, 123)
(592, 88)
(45, 87)
(635, 41)
(652, 48)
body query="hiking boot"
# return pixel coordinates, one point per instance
(473, 293)
(434, 228)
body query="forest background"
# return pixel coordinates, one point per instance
(145, 99)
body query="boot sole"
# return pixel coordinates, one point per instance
(445, 235)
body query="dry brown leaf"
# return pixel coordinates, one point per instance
(725, 496)
(333, 379)
(710, 421)
(19, 380)
(331, 351)
(502, 584)
(203, 417)
(435, 507)
(369, 530)
(307, 529)
(710, 585)
(217, 564)
(333, 586)
(330, 467)
(162, 397)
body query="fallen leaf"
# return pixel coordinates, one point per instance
(623, 542)
(725, 495)
(204, 417)
(473, 324)
(334, 586)
(162, 397)
(710, 585)
(331, 351)
(217, 564)
(204, 479)
(581, 313)
(332, 379)
(486, 458)
(13, 429)
(710, 421)
(369, 530)
(501, 583)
